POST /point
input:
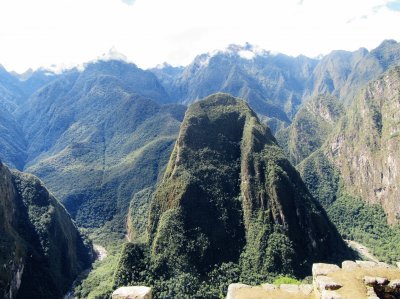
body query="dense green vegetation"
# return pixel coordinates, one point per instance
(99, 282)
(286, 280)
(367, 224)
(321, 177)
(310, 127)
(135, 268)
(107, 144)
(39, 237)
(354, 218)
(137, 215)
(209, 227)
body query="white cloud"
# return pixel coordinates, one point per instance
(129, 2)
(43, 32)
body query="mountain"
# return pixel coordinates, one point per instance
(15, 88)
(342, 74)
(41, 249)
(310, 127)
(10, 91)
(229, 188)
(276, 85)
(362, 151)
(95, 138)
(229, 195)
(272, 84)
(12, 141)
(31, 81)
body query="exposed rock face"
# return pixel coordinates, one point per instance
(365, 148)
(362, 153)
(229, 192)
(41, 250)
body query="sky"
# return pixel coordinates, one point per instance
(40, 33)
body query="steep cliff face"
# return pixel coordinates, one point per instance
(365, 147)
(12, 249)
(229, 194)
(41, 249)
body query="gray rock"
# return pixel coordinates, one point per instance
(349, 265)
(323, 269)
(326, 283)
(233, 288)
(135, 292)
(291, 288)
(330, 295)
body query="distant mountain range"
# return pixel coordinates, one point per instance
(89, 128)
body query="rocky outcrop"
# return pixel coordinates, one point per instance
(41, 249)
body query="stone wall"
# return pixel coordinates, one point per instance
(354, 279)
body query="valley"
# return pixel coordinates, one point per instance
(187, 179)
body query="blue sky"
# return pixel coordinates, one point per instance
(149, 32)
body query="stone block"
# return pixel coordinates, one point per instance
(269, 287)
(349, 265)
(384, 265)
(326, 283)
(323, 269)
(372, 280)
(366, 264)
(233, 288)
(291, 288)
(134, 292)
(325, 294)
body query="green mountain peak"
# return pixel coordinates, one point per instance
(230, 195)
